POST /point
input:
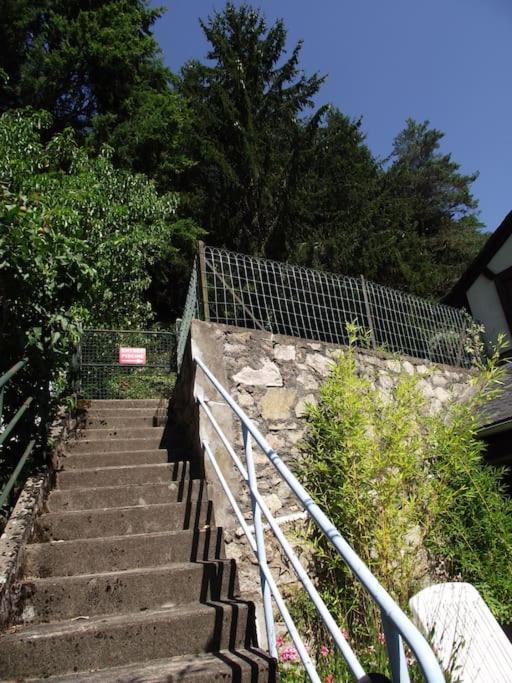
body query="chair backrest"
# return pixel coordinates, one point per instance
(467, 639)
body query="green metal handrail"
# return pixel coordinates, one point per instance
(10, 426)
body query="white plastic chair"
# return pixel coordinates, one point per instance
(469, 642)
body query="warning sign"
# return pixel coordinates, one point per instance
(131, 356)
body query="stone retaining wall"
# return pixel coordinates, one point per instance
(273, 378)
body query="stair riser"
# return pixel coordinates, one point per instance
(65, 598)
(114, 645)
(106, 413)
(116, 554)
(123, 403)
(109, 445)
(119, 496)
(150, 474)
(65, 526)
(245, 666)
(129, 432)
(88, 460)
(101, 422)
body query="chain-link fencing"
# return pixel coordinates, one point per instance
(110, 364)
(235, 289)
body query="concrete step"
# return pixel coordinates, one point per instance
(110, 413)
(79, 461)
(241, 666)
(127, 432)
(108, 445)
(131, 590)
(101, 642)
(109, 404)
(106, 421)
(125, 475)
(141, 519)
(119, 496)
(117, 553)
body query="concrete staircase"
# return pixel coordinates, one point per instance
(126, 577)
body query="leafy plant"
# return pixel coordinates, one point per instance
(78, 238)
(410, 492)
(142, 384)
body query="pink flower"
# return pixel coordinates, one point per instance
(289, 654)
(279, 641)
(329, 679)
(324, 650)
(382, 638)
(344, 633)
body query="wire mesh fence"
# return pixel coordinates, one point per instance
(189, 312)
(105, 370)
(240, 290)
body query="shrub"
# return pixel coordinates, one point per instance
(410, 492)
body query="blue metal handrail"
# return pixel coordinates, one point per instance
(396, 625)
(5, 431)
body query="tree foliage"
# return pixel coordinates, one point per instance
(78, 237)
(271, 180)
(427, 187)
(249, 130)
(96, 67)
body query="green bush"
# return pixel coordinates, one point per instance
(409, 491)
(142, 385)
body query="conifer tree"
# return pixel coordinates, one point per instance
(96, 67)
(249, 108)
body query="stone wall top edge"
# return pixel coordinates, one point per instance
(298, 341)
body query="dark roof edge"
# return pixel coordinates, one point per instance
(456, 296)
(497, 427)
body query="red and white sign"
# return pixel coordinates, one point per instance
(131, 356)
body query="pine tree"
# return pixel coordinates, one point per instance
(249, 108)
(434, 199)
(96, 67)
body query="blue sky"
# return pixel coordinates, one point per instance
(449, 61)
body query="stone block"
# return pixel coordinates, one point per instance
(277, 404)
(320, 363)
(273, 503)
(267, 375)
(284, 352)
(408, 367)
(307, 381)
(300, 408)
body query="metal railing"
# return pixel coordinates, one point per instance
(7, 431)
(235, 289)
(396, 625)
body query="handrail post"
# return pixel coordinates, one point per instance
(203, 285)
(396, 652)
(260, 543)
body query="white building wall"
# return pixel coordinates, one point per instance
(483, 298)
(502, 259)
(486, 308)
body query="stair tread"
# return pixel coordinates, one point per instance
(105, 497)
(90, 623)
(134, 571)
(114, 521)
(115, 509)
(159, 465)
(91, 489)
(181, 668)
(111, 539)
(84, 431)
